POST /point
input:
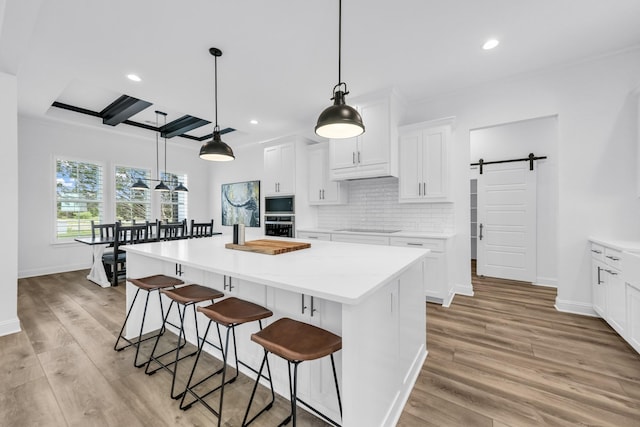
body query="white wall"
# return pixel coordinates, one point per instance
(515, 141)
(41, 140)
(9, 322)
(596, 155)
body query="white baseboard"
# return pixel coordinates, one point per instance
(9, 327)
(575, 308)
(550, 282)
(22, 274)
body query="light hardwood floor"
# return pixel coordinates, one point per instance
(505, 357)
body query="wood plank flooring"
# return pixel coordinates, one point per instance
(504, 357)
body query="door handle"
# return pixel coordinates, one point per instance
(480, 236)
(313, 310)
(424, 188)
(353, 157)
(358, 157)
(419, 189)
(599, 281)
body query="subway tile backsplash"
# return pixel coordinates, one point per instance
(373, 203)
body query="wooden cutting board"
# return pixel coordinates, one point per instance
(269, 247)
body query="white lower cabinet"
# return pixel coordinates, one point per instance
(315, 377)
(436, 277)
(633, 309)
(598, 287)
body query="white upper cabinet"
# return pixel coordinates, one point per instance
(375, 152)
(323, 191)
(280, 169)
(424, 162)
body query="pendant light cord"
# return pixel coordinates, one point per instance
(339, 42)
(165, 149)
(157, 148)
(215, 91)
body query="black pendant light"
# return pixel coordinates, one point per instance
(162, 186)
(216, 150)
(339, 120)
(140, 185)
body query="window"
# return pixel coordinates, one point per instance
(173, 204)
(132, 204)
(79, 197)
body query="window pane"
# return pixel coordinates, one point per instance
(78, 197)
(173, 205)
(132, 204)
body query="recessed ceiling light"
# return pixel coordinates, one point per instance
(490, 44)
(254, 122)
(134, 77)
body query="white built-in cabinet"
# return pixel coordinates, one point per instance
(375, 152)
(615, 287)
(279, 169)
(323, 191)
(424, 162)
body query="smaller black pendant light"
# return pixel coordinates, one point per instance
(140, 185)
(339, 120)
(216, 150)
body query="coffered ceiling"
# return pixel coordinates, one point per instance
(279, 61)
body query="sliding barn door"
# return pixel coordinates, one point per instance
(507, 221)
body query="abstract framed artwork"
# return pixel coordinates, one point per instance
(241, 203)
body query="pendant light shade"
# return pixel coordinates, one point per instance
(162, 187)
(139, 185)
(339, 120)
(181, 188)
(216, 150)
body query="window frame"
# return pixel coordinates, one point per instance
(173, 178)
(102, 200)
(116, 201)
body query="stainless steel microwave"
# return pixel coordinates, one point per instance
(279, 205)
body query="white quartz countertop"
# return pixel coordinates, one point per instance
(618, 244)
(401, 233)
(342, 272)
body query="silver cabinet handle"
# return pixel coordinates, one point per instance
(322, 194)
(414, 244)
(424, 188)
(312, 237)
(599, 281)
(596, 251)
(419, 189)
(230, 285)
(613, 258)
(224, 283)
(353, 157)
(611, 272)
(358, 157)
(304, 307)
(480, 236)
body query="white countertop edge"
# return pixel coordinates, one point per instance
(416, 234)
(620, 245)
(416, 256)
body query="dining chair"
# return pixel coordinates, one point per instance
(106, 232)
(201, 229)
(172, 230)
(123, 235)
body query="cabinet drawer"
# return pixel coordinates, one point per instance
(597, 251)
(436, 245)
(360, 238)
(613, 257)
(314, 235)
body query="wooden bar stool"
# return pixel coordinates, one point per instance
(184, 297)
(148, 284)
(295, 342)
(229, 313)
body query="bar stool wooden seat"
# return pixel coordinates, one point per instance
(229, 313)
(295, 342)
(148, 284)
(184, 297)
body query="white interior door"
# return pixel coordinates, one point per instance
(507, 221)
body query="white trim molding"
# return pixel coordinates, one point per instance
(575, 307)
(9, 327)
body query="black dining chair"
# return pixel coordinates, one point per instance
(123, 235)
(172, 230)
(201, 229)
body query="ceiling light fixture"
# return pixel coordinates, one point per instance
(134, 77)
(339, 120)
(161, 186)
(216, 150)
(253, 122)
(490, 44)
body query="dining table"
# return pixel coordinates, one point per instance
(98, 274)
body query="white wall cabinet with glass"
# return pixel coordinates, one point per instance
(280, 169)
(375, 152)
(424, 162)
(323, 191)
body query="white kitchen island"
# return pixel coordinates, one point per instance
(372, 296)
